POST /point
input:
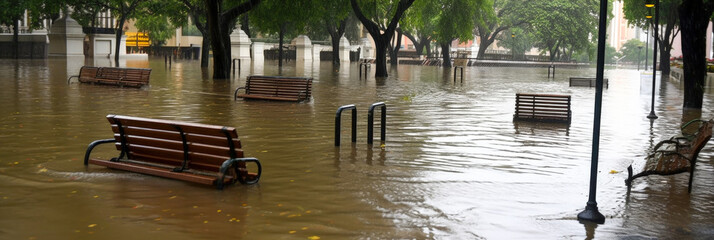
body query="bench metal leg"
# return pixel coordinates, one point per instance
(230, 163)
(94, 144)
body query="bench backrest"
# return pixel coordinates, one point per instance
(125, 74)
(279, 86)
(169, 142)
(88, 74)
(543, 106)
(701, 138)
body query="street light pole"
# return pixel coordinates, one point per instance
(591, 213)
(652, 114)
(647, 49)
(513, 46)
(638, 57)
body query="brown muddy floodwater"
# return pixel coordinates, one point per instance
(455, 165)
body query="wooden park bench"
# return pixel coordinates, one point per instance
(675, 155)
(129, 77)
(542, 107)
(200, 153)
(586, 82)
(276, 88)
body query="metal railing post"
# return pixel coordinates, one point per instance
(338, 121)
(234, 66)
(370, 123)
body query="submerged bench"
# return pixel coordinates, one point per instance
(542, 107)
(294, 89)
(587, 82)
(200, 153)
(675, 155)
(129, 77)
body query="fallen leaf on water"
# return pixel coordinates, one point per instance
(92, 225)
(42, 170)
(172, 197)
(292, 231)
(219, 211)
(613, 172)
(195, 206)
(205, 221)
(304, 228)
(313, 237)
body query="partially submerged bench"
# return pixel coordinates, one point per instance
(587, 82)
(200, 153)
(129, 77)
(294, 89)
(542, 107)
(675, 155)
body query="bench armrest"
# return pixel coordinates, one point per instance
(94, 144)
(235, 94)
(676, 145)
(231, 163)
(70, 78)
(302, 93)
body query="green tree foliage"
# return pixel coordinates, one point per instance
(197, 12)
(456, 20)
(563, 26)
(155, 20)
(333, 16)
(501, 16)
(380, 19)
(635, 12)
(12, 11)
(633, 51)
(518, 40)
(292, 19)
(419, 24)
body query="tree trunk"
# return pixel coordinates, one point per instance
(280, 46)
(394, 50)
(335, 48)
(445, 53)
(117, 45)
(15, 39)
(380, 58)
(205, 45)
(221, 54)
(482, 46)
(694, 17)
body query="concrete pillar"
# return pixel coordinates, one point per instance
(303, 48)
(66, 38)
(240, 44)
(344, 50)
(258, 51)
(316, 48)
(366, 48)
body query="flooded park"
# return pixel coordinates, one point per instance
(454, 165)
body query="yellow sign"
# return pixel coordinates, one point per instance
(137, 39)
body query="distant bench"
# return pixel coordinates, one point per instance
(129, 77)
(542, 107)
(276, 88)
(675, 155)
(587, 82)
(200, 153)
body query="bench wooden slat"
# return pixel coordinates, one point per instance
(276, 88)
(157, 171)
(158, 147)
(129, 77)
(542, 107)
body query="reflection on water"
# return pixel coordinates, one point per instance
(455, 165)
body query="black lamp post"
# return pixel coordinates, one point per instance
(591, 213)
(654, 4)
(638, 57)
(513, 47)
(647, 49)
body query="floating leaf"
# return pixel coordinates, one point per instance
(219, 211)
(313, 237)
(613, 172)
(304, 228)
(43, 170)
(292, 231)
(205, 221)
(92, 225)
(172, 197)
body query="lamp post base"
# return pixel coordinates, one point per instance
(652, 115)
(591, 214)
